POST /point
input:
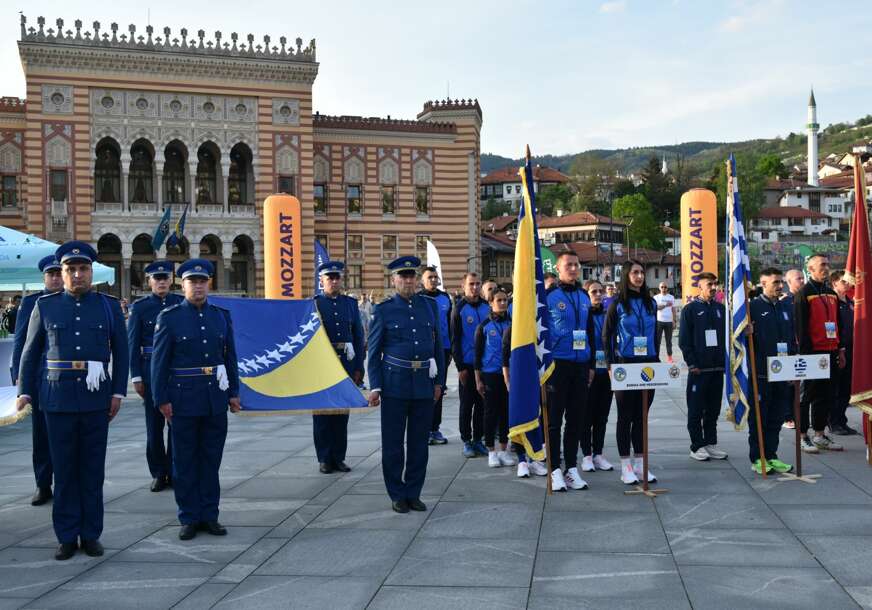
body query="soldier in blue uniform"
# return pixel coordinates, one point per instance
(79, 331)
(194, 378)
(430, 283)
(140, 336)
(406, 367)
(51, 273)
(341, 319)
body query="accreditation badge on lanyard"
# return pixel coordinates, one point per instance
(579, 339)
(601, 359)
(640, 346)
(781, 348)
(830, 327)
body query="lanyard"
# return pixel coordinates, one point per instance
(825, 301)
(576, 305)
(640, 318)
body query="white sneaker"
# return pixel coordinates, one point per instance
(557, 482)
(715, 453)
(825, 442)
(493, 460)
(538, 468)
(602, 463)
(506, 458)
(637, 468)
(587, 464)
(807, 446)
(574, 480)
(628, 475)
(700, 455)
(523, 470)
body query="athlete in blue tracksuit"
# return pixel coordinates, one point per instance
(51, 273)
(469, 312)
(701, 339)
(430, 282)
(599, 394)
(489, 379)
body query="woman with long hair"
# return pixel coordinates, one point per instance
(628, 337)
(599, 394)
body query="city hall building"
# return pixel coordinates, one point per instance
(117, 125)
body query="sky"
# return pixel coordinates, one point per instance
(562, 76)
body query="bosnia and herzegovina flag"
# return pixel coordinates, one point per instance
(286, 361)
(530, 362)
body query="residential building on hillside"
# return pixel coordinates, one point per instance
(505, 184)
(792, 223)
(581, 226)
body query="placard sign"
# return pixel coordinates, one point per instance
(791, 368)
(645, 376)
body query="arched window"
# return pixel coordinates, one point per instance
(242, 265)
(175, 156)
(109, 253)
(107, 172)
(141, 172)
(238, 180)
(207, 173)
(210, 249)
(143, 254)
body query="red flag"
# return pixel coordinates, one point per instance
(856, 269)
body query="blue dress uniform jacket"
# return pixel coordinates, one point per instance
(71, 329)
(697, 317)
(140, 340)
(187, 337)
(42, 468)
(189, 344)
(569, 311)
(341, 319)
(403, 336)
(466, 318)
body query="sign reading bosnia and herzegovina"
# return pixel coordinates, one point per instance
(286, 362)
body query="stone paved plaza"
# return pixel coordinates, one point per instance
(721, 538)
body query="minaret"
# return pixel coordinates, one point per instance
(812, 129)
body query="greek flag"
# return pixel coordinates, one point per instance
(530, 362)
(738, 382)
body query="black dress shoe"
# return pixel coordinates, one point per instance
(342, 467)
(41, 496)
(325, 468)
(188, 531)
(158, 484)
(92, 548)
(65, 551)
(214, 528)
(416, 504)
(400, 506)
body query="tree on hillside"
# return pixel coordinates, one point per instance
(592, 195)
(553, 197)
(623, 187)
(771, 166)
(751, 184)
(638, 213)
(658, 190)
(494, 208)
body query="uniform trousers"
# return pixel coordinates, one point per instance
(599, 405)
(198, 445)
(42, 468)
(78, 452)
(471, 410)
(838, 415)
(496, 408)
(405, 427)
(158, 455)
(567, 398)
(437, 405)
(704, 393)
(775, 400)
(629, 426)
(818, 396)
(331, 437)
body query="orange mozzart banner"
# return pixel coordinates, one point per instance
(699, 239)
(282, 247)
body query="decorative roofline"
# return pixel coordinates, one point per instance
(181, 44)
(439, 105)
(12, 104)
(323, 121)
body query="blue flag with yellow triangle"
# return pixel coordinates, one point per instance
(289, 364)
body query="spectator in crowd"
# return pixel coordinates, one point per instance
(10, 314)
(795, 280)
(666, 311)
(838, 418)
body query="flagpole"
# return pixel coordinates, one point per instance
(545, 439)
(752, 354)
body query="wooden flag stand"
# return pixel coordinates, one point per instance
(798, 476)
(643, 488)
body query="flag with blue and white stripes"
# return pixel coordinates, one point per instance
(738, 382)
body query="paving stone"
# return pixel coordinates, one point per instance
(602, 532)
(833, 520)
(721, 510)
(464, 562)
(730, 587)
(847, 558)
(483, 520)
(204, 596)
(861, 595)
(28, 573)
(164, 546)
(301, 592)
(249, 561)
(449, 598)
(120, 530)
(369, 512)
(746, 547)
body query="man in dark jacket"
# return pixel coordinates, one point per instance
(838, 420)
(701, 339)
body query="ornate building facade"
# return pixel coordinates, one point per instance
(118, 126)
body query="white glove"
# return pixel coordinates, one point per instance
(349, 351)
(221, 374)
(96, 374)
(433, 369)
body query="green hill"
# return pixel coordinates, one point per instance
(699, 157)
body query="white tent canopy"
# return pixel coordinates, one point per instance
(20, 254)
